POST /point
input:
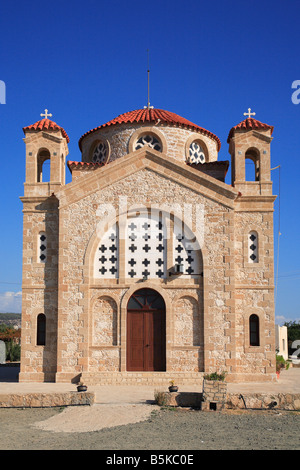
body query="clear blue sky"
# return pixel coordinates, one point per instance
(210, 61)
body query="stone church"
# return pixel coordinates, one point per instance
(147, 266)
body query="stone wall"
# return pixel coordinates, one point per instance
(46, 400)
(261, 401)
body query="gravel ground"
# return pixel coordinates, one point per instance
(171, 429)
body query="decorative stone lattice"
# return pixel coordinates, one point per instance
(146, 250)
(42, 247)
(107, 255)
(252, 247)
(150, 140)
(100, 153)
(185, 251)
(196, 153)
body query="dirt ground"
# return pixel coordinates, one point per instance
(165, 429)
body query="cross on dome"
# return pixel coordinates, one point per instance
(46, 115)
(249, 114)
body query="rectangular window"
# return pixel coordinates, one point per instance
(253, 247)
(42, 247)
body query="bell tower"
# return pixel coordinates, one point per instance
(249, 146)
(46, 142)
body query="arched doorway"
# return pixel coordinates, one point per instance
(146, 331)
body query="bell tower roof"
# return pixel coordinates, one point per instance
(46, 124)
(249, 124)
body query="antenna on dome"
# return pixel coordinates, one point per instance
(148, 72)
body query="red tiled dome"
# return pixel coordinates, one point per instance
(46, 124)
(153, 115)
(249, 124)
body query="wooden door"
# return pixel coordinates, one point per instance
(146, 336)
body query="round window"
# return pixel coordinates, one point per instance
(196, 153)
(150, 140)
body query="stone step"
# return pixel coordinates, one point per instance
(141, 378)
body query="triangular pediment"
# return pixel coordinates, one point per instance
(147, 159)
(254, 134)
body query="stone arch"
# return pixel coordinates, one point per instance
(147, 130)
(199, 140)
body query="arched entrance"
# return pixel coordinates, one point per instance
(146, 331)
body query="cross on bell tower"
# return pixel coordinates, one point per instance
(249, 114)
(46, 115)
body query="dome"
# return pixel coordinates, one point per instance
(148, 115)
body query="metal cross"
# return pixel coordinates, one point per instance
(46, 114)
(249, 114)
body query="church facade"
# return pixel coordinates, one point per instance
(147, 266)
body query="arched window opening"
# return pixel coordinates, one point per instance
(41, 330)
(254, 330)
(100, 152)
(43, 166)
(196, 152)
(149, 140)
(252, 170)
(253, 247)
